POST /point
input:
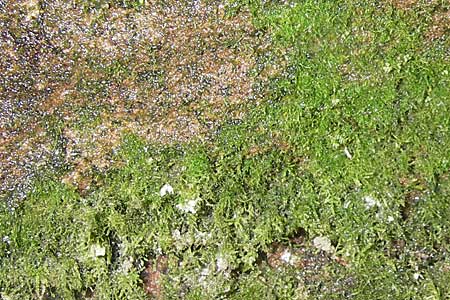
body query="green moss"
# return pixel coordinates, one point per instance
(354, 146)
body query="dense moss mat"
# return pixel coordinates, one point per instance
(351, 145)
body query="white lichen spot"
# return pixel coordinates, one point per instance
(188, 206)
(387, 68)
(390, 219)
(221, 263)
(6, 239)
(166, 189)
(335, 101)
(176, 234)
(202, 237)
(126, 265)
(204, 273)
(287, 257)
(323, 243)
(97, 250)
(370, 202)
(347, 153)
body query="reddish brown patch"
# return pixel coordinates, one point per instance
(152, 276)
(282, 255)
(300, 256)
(17, 151)
(56, 99)
(446, 268)
(276, 142)
(342, 261)
(411, 199)
(255, 150)
(404, 181)
(404, 4)
(440, 26)
(274, 257)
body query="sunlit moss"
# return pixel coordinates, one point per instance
(335, 186)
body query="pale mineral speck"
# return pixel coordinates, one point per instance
(370, 202)
(221, 263)
(189, 206)
(347, 153)
(323, 243)
(97, 250)
(287, 257)
(166, 189)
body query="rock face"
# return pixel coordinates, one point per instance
(152, 277)
(76, 77)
